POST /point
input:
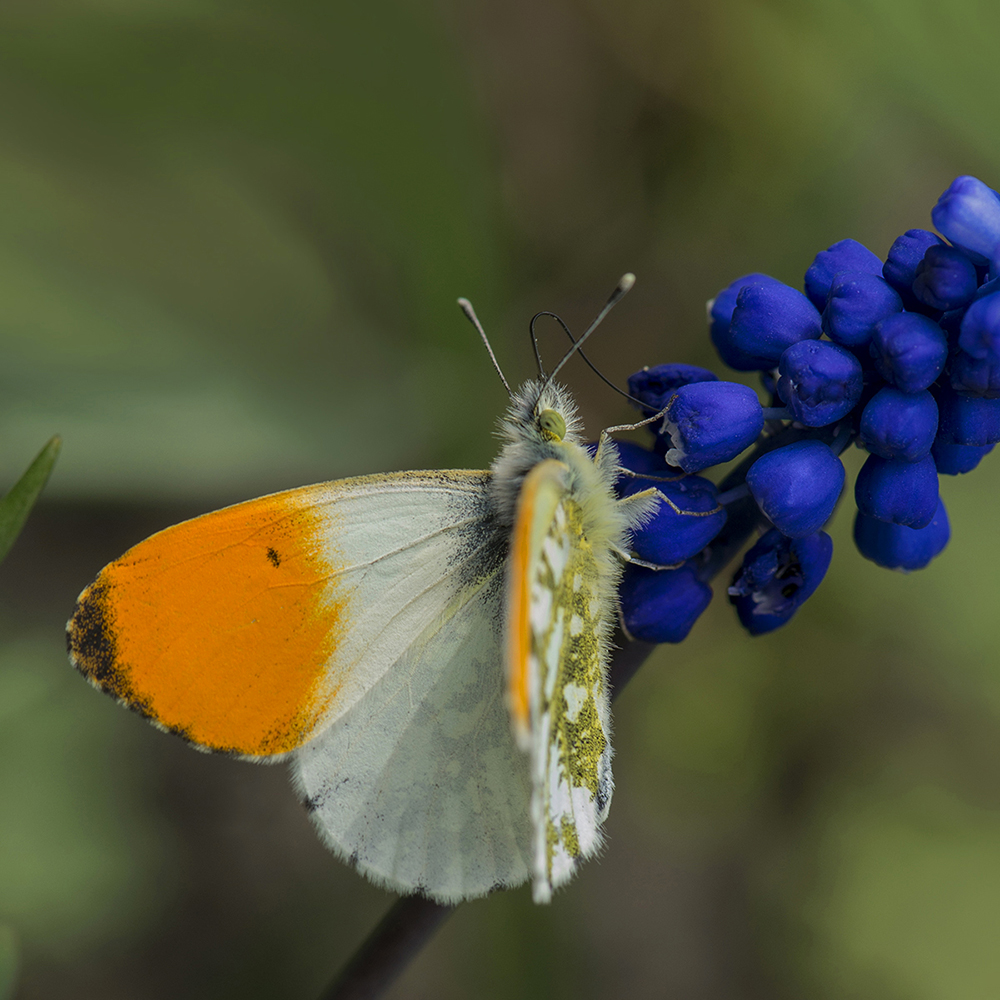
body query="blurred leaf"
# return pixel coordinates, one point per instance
(17, 504)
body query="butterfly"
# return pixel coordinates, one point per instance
(427, 650)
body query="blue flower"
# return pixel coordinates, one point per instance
(898, 491)
(819, 382)
(637, 459)
(898, 424)
(711, 422)
(946, 278)
(968, 213)
(770, 317)
(975, 367)
(954, 459)
(688, 518)
(895, 546)
(654, 386)
(797, 487)
(905, 256)
(909, 351)
(967, 419)
(720, 315)
(662, 605)
(857, 301)
(777, 576)
(847, 255)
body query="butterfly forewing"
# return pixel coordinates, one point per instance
(565, 680)
(250, 629)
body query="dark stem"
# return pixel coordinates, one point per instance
(412, 920)
(407, 926)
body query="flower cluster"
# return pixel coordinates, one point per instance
(899, 356)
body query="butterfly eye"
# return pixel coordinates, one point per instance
(552, 425)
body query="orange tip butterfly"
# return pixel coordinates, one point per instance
(427, 650)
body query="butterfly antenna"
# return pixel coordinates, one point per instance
(626, 282)
(470, 314)
(534, 338)
(590, 364)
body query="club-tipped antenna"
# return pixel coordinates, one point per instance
(470, 314)
(590, 364)
(624, 284)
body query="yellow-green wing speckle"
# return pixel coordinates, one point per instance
(570, 712)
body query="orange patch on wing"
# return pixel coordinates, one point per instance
(220, 628)
(518, 625)
(535, 505)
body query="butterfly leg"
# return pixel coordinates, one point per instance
(605, 437)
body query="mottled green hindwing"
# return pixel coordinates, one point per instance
(571, 737)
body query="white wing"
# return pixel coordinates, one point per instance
(356, 627)
(419, 784)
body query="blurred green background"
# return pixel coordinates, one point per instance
(231, 237)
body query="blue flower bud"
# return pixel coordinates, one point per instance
(847, 255)
(769, 318)
(905, 256)
(797, 487)
(898, 424)
(895, 546)
(857, 301)
(975, 367)
(954, 459)
(711, 422)
(634, 457)
(654, 386)
(967, 419)
(819, 382)
(909, 351)
(720, 314)
(946, 278)
(777, 576)
(898, 491)
(688, 518)
(662, 605)
(968, 213)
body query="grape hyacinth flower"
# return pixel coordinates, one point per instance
(847, 255)
(901, 357)
(711, 422)
(904, 258)
(797, 487)
(777, 576)
(720, 315)
(945, 279)
(898, 491)
(689, 515)
(771, 317)
(662, 605)
(957, 459)
(895, 546)
(975, 367)
(909, 351)
(858, 301)
(968, 214)
(967, 419)
(819, 382)
(898, 424)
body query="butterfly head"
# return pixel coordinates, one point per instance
(541, 422)
(552, 425)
